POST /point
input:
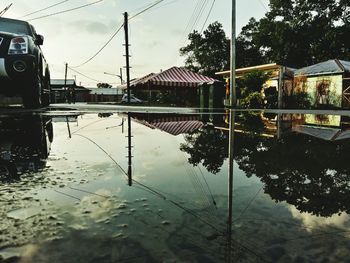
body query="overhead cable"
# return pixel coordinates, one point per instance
(98, 81)
(117, 31)
(263, 5)
(45, 8)
(102, 48)
(66, 11)
(206, 20)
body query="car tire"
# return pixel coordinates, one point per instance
(32, 96)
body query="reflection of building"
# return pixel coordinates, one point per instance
(170, 123)
(328, 83)
(325, 127)
(24, 144)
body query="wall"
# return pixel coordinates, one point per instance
(335, 88)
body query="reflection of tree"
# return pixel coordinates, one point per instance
(307, 172)
(207, 146)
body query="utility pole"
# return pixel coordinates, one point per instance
(121, 75)
(65, 81)
(233, 97)
(126, 28)
(5, 10)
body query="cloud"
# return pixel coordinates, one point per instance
(91, 27)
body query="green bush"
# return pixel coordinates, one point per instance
(300, 100)
(254, 100)
(271, 97)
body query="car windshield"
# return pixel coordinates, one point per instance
(14, 27)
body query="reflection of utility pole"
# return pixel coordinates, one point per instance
(230, 185)
(129, 151)
(126, 28)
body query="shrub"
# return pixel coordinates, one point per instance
(254, 100)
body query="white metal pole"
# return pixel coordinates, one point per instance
(233, 97)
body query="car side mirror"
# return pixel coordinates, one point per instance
(39, 40)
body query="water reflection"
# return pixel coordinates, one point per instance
(234, 187)
(24, 145)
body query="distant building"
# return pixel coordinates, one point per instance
(61, 90)
(104, 95)
(327, 83)
(180, 87)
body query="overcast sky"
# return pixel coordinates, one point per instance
(155, 36)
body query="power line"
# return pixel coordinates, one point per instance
(65, 11)
(98, 81)
(209, 13)
(45, 8)
(102, 48)
(263, 5)
(148, 7)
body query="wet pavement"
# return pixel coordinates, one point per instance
(75, 188)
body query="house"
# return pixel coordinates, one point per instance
(104, 95)
(327, 83)
(181, 87)
(280, 77)
(60, 90)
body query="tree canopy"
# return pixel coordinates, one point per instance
(300, 33)
(293, 33)
(104, 85)
(207, 53)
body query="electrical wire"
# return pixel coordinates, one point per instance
(209, 13)
(98, 81)
(117, 31)
(45, 8)
(146, 9)
(100, 50)
(263, 5)
(66, 11)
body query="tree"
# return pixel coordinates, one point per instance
(300, 33)
(207, 53)
(104, 85)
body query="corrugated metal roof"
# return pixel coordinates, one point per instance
(60, 82)
(106, 91)
(332, 66)
(346, 64)
(175, 77)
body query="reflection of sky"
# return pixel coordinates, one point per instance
(312, 222)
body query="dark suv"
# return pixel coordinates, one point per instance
(23, 68)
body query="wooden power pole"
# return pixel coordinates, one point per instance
(126, 28)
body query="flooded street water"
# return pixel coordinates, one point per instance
(69, 192)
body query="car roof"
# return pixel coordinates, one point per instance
(14, 20)
(30, 27)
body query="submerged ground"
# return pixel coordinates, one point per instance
(68, 192)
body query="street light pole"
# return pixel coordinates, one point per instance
(233, 97)
(119, 76)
